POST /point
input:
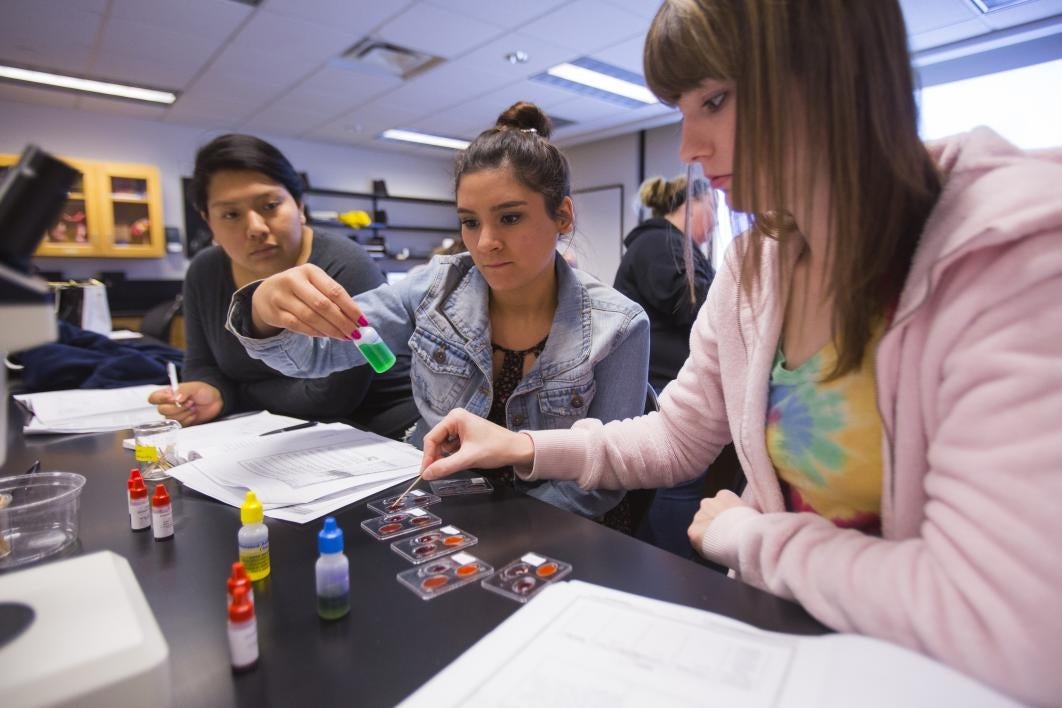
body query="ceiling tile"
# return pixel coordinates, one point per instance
(153, 72)
(368, 121)
(645, 8)
(626, 55)
(47, 97)
(211, 20)
(131, 50)
(947, 34)
(921, 16)
(541, 56)
(355, 17)
(465, 121)
(582, 109)
(445, 86)
(122, 108)
(1025, 12)
(251, 72)
(30, 35)
(281, 118)
(341, 80)
(569, 26)
(545, 96)
(221, 115)
(290, 38)
(431, 29)
(501, 13)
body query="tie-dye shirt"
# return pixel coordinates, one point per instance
(824, 439)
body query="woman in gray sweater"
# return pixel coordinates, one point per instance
(251, 197)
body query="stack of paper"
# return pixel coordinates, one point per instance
(299, 475)
(88, 410)
(578, 644)
(224, 435)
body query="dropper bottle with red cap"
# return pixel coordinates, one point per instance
(139, 508)
(239, 578)
(243, 631)
(161, 514)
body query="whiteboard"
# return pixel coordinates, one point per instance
(598, 231)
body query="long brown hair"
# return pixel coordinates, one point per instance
(849, 64)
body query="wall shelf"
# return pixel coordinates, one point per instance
(437, 219)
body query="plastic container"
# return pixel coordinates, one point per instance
(374, 349)
(40, 517)
(444, 574)
(527, 576)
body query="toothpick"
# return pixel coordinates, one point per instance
(398, 501)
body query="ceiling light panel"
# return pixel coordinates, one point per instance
(410, 136)
(589, 77)
(73, 83)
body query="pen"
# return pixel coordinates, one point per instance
(300, 426)
(171, 371)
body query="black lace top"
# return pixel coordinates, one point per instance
(507, 378)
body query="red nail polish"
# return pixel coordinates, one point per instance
(363, 322)
(356, 334)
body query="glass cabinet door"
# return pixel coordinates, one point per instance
(132, 210)
(76, 231)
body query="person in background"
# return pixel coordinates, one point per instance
(508, 330)
(883, 346)
(653, 273)
(251, 198)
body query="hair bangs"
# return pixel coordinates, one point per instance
(677, 35)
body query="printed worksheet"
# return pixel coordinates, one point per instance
(578, 644)
(301, 466)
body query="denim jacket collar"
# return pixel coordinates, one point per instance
(569, 337)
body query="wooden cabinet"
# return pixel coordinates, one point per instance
(114, 210)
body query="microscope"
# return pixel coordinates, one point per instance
(32, 194)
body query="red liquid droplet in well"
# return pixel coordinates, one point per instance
(420, 520)
(390, 528)
(546, 570)
(466, 570)
(435, 581)
(454, 540)
(524, 585)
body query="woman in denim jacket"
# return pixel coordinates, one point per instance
(508, 331)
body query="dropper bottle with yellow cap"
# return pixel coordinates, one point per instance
(253, 538)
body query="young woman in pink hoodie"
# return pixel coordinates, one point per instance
(883, 347)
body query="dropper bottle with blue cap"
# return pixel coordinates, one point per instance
(333, 572)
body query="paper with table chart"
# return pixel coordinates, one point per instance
(88, 410)
(578, 644)
(302, 475)
(225, 435)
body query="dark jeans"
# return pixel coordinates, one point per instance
(670, 515)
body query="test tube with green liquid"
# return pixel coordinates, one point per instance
(374, 349)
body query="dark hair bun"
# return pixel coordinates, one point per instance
(525, 116)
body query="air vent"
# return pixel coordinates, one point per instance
(987, 6)
(379, 56)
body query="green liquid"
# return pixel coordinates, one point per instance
(331, 608)
(378, 355)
